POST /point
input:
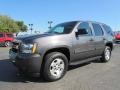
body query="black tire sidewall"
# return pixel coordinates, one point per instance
(103, 56)
(7, 45)
(49, 58)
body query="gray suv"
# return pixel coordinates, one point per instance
(68, 43)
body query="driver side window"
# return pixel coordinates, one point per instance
(84, 29)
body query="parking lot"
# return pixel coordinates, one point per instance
(90, 76)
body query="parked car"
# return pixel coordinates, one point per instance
(6, 39)
(68, 43)
(117, 37)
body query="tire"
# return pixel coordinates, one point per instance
(7, 44)
(106, 56)
(55, 66)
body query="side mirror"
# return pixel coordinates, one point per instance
(81, 32)
(76, 33)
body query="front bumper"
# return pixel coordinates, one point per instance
(27, 63)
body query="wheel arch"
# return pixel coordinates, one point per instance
(64, 50)
(110, 44)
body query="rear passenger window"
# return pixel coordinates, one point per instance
(1, 35)
(98, 30)
(108, 30)
(9, 35)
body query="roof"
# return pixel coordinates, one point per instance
(88, 21)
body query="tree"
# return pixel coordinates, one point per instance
(7, 24)
(22, 26)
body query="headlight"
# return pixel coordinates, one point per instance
(28, 48)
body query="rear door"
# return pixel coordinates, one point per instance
(9, 36)
(99, 39)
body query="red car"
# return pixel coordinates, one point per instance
(6, 39)
(117, 37)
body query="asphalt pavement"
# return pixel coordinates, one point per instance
(90, 76)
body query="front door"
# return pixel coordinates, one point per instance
(83, 43)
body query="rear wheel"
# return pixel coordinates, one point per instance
(55, 66)
(106, 56)
(7, 44)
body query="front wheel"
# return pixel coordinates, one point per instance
(106, 56)
(55, 66)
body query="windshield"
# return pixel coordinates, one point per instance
(64, 28)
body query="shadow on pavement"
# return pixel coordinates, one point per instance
(72, 67)
(8, 73)
(84, 64)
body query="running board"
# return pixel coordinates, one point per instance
(85, 60)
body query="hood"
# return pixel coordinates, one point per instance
(29, 38)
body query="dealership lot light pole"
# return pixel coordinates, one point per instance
(50, 24)
(31, 27)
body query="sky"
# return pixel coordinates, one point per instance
(39, 12)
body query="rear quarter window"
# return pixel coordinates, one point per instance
(108, 30)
